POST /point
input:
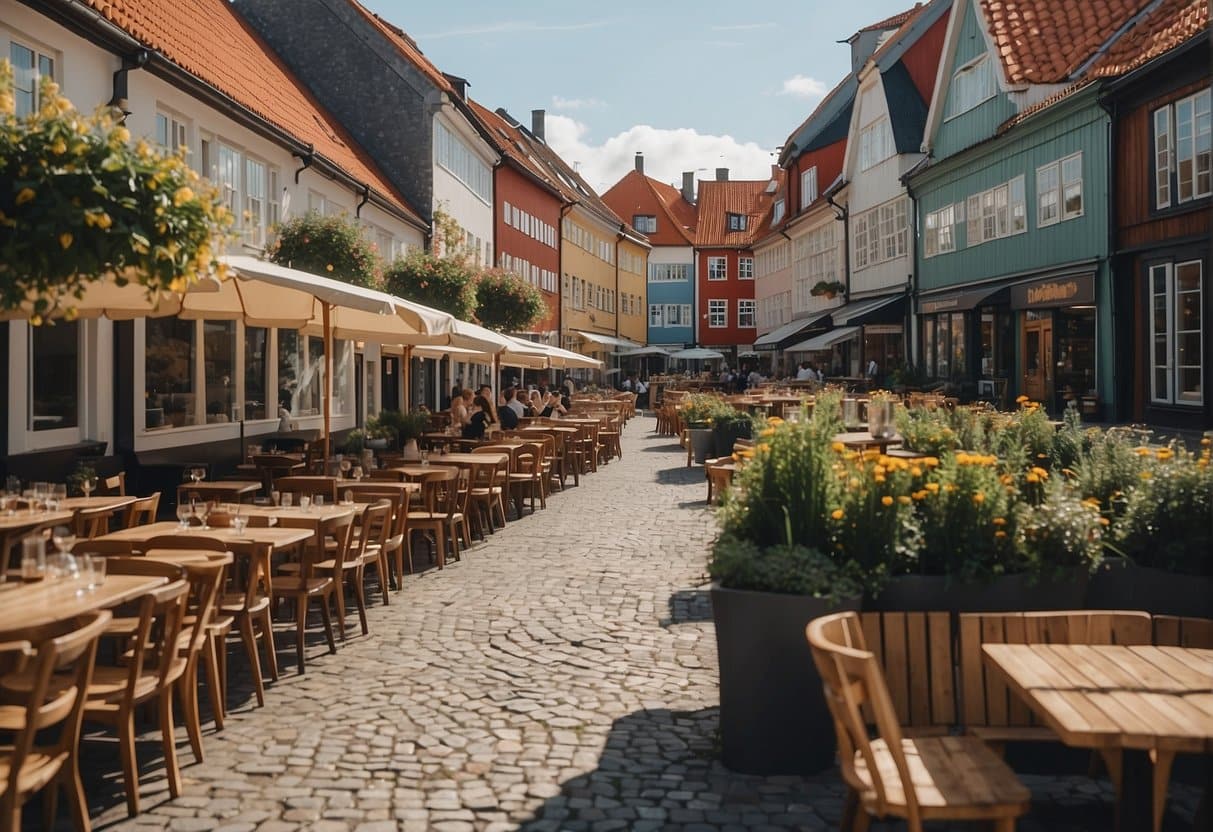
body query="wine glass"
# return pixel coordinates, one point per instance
(203, 510)
(357, 473)
(184, 512)
(345, 466)
(59, 492)
(305, 502)
(198, 474)
(87, 485)
(239, 521)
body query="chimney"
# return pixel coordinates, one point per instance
(688, 186)
(640, 163)
(722, 174)
(537, 119)
(775, 171)
(460, 84)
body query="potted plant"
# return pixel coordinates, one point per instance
(770, 578)
(404, 429)
(81, 475)
(827, 288)
(698, 414)
(354, 443)
(728, 426)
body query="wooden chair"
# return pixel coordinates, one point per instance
(1177, 631)
(114, 486)
(527, 478)
(439, 502)
(374, 531)
(142, 512)
(497, 491)
(48, 672)
(312, 584)
(393, 545)
(150, 669)
(93, 522)
(918, 779)
(206, 583)
(719, 474)
(990, 710)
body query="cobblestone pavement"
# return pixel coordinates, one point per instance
(560, 677)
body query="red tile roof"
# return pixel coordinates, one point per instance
(1045, 41)
(406, 46)
(893, 22)
(511, 142)
(1171, 24)
(636, 193)
(208, 39)
(780, 175)
(718, 199)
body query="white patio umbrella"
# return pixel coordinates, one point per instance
(561, 359)
(697, 354)
(642, 352)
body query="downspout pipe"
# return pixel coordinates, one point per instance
(305, 157)
(366, 197)
(120, 99)
(1110, 106)
(843, 215)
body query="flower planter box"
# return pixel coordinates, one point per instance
(773, 715)
(1121, 585)
(724, 437)
(924, 593)
(702, 444)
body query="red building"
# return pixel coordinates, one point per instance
(732, 215)
(526, 214)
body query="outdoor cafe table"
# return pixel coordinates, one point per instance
(862, 440)
(1127, 702)
(229, 490)
(22, 522)
(58, 599)
(101, 502)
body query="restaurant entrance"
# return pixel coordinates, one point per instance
(1038, 355)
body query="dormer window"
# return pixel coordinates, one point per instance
(972, 84)
(777, 214)
(644, 223)
(736, 222)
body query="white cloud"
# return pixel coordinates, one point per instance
(561, 103)
(667, 153)
(512, 27)
(742, 27)
(802, 86)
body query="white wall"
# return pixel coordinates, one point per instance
(465, 206)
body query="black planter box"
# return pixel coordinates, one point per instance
(1010, 593)
(773, 715)
(1121, 585)
(723, 437)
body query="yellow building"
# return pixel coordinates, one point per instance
(589, 289)
(632, 262)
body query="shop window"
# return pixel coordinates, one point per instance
(256, 343)
(169, 372)
(1075, 358)
(219, 369)
(54, 376)
(1176, 333)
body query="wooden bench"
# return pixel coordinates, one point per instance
(915, 652)
(990, 710)
(1175, 631)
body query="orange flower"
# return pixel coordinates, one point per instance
(836, 514)
(886, 501)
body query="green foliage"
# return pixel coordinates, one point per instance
(448, 284)
(702, 410)
(397, 427)
(1110, 468)
(507, 303)
(1058, 535)
(330, 246)
(81, 474)
(791, 569)
(926, 431)
(354, 442)
(80, 202)
(1167, 521)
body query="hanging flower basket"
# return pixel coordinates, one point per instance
(828, 289)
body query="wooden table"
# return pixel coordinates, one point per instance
(467, 459)
(233, 490)
(1127, 702)
(21, 523)
(51, 600)
(862, 439)
(97, 503)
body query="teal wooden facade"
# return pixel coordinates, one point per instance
(990, 282)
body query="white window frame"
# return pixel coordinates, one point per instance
(1170, 338)
(885, 230)
(35, 440)
(1071, 184)
(972, 85)
(735, 222)
(256, 204)
(175, 130)
(1178, 145)
(745, 268)
(1001, 211)
(41, 54)
(718, 310)
(746, 309)
(1048, 194)
(808, 187)
(939, 230)
(645, 223)
(777, 211)
(876, 143)
(718, 268)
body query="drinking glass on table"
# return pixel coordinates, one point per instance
(345, 465)
(64, 539)
(184, 512)
(87, 485)
(349, 496)
(33, 558)
(239, 521)
(318, 501)
(59, 492)
(305, 502)
(203, 510)
(357, 473)
(286, 499)
(92, 571)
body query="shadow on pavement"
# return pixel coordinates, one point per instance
(689, 606)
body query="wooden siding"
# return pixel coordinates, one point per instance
(1021, 152)
(922, 59)
(980, 123)
(1138, 224)
(828, 161)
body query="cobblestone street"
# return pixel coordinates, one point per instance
(560, 677)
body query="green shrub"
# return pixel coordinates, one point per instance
(441, 283)
(507, 303)
(1167, 521)
(330, 246)
(790, 569)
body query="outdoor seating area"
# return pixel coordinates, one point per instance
(104, 608)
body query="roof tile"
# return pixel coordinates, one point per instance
(1172, 24)
(717, 200)
(636, 193)
(208, 39)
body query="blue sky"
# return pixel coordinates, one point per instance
(690, 84)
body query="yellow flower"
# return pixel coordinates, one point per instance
(916, 471)
(931, 462)
(1032, 478)
(1206, 442)
(854, 483)
(886, 500)
(1000, 534)
(836, 514)
(183, 195)
(979, 498)
(879, 478)
(774, 420)
(919, 495)
(933, 487)
(904, 500)
(764, 447)
(1164, 454)
(329, 267)
(767, 432)
(122, 134)
(1021, 399)
(1103, 521)
(999, 521)
(25, 195)
(838, 447)
(59, 147)
(65, 240)
(1040, 472)
(1145, 475)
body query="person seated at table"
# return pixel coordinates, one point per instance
(514, 402)
(554, 406)
(511, 410)
(534, 405)
(461, 410)
(285, 425)
(486, 392)
(482, 417)
(449, 403)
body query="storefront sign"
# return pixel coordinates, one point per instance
(882, 329)
(928, 307)
(1063, 291)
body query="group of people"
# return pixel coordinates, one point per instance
(475, 412)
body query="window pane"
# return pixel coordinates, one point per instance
(343, 381)
(256, 341)
(290, 370)
(1189, 384)
(958, 344)
(311, 397)
(25, 82)
(1187, 277)
(219, 369)
(54, 376)
(169, 372)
